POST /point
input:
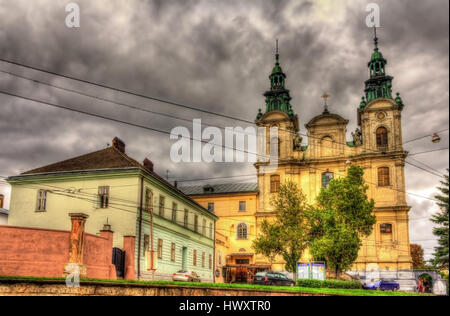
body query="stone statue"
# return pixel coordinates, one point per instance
(357, 137)
(298, 142)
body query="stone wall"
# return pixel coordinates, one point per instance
(88, 288)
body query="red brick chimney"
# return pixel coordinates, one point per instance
(119, 144)
(148, 164)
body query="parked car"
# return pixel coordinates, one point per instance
(272, 278)
(186, 276)
(383, 285)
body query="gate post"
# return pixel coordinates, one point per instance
(129, 246)
(108, 234)
(76, 243)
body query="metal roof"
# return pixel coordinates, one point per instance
(4, 211)
(219, 188)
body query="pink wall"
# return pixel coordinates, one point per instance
(33, 251)
(97, 256)
(44, 252)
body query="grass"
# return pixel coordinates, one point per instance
(343, 292)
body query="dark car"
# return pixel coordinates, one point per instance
(272, 278)
(383, 285)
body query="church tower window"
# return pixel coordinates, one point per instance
(274, 183)
(382, 138)
(383, 177)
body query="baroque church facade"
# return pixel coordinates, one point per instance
(376, 147)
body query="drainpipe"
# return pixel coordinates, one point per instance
(214, 253)
(140, 228)
(151, 237)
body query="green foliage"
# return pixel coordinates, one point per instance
(440, 255)
(329, 284)
(288, 235)
(343, 216)
(332, 291)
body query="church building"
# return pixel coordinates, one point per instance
(376, 147)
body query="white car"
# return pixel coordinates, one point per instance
(186, 276)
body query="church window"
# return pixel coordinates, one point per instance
(274, 183)
(382, 138)
(326, 178)
(386, 228)
(242, 231)
(383, 176)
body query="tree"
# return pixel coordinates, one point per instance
(440, 255)
(343, 215)
(288, 234)
(417, 256)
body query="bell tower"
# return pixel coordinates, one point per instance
(279, 112)
(379, 114)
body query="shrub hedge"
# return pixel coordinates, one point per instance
(330, 284)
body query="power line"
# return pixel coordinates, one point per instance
(121, 121)
(428, 151)
(417, 138)
(123, 91)
(159, 99)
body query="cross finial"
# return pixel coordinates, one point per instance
(277, 56)
(375, 38)
(325, 97)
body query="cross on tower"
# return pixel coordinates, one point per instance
(325, 97)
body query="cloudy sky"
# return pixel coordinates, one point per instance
(215, 55)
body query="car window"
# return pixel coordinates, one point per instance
(182, 271)
(271, 275)
(282, 276)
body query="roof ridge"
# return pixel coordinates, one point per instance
(66, 160)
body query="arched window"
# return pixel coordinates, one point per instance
(242, 231)
(383, 176)
(382, 138)
(274, 183)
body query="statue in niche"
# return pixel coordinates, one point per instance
(298, 142)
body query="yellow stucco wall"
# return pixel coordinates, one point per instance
(226, 207)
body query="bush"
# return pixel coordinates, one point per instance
(330, 284)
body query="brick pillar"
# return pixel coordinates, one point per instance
(77, 243)
(108, 234)
(129, 245)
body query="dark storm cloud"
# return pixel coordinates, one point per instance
(215, 55)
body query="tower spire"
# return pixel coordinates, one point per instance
(277, 55)
(375, 38)
(277, 98)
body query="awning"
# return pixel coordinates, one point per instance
(241, 254)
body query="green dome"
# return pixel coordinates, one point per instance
(377, 55)
(276, 69)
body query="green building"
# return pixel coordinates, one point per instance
(171, 230)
